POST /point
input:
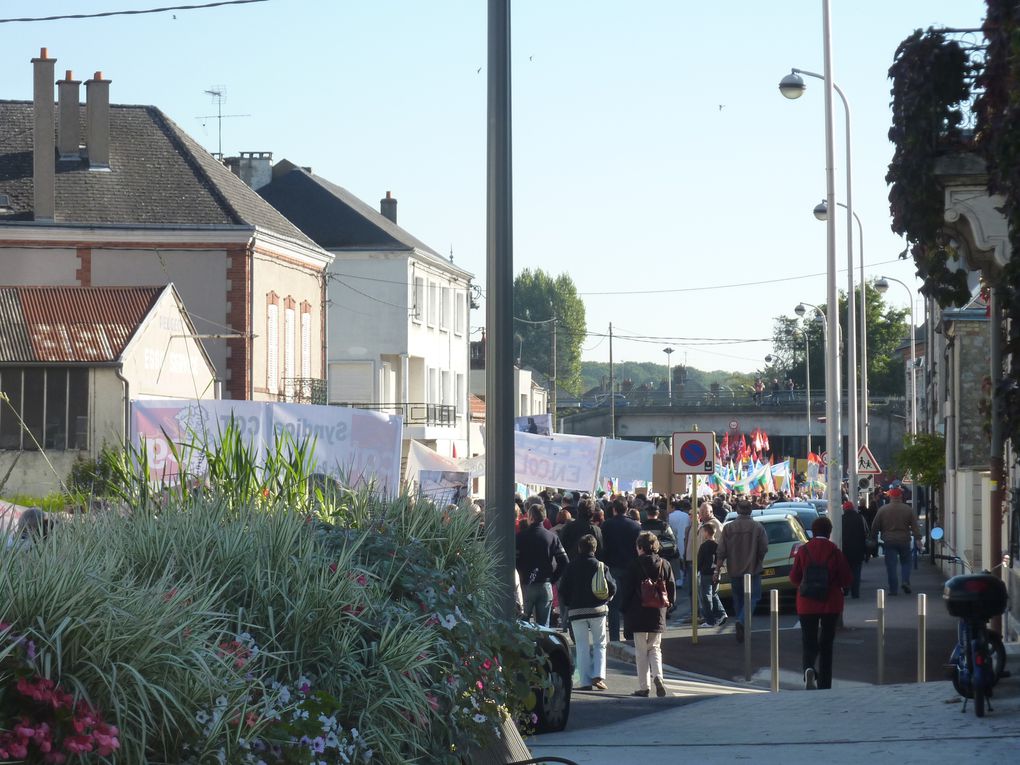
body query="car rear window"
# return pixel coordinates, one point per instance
(779, 532)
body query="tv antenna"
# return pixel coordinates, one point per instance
(218, 93)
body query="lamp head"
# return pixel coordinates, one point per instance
(667, 350)
(769, 359)
(800, 310)
(882, 285)
(792, 85)
(821, 210)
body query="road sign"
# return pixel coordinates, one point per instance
(824, 457)
(866, 462)
(734, 425)
(694, 453)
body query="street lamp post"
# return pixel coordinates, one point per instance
(800, 310)
(882, 285)
(864, 418)
(832, 389)
(669, 373)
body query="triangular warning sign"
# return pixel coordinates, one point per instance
(866, 462)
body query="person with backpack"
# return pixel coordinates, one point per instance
(647, 590)
(586, 588)
(821, 573)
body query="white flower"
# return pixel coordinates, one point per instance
(367, 755)
(328, 723)
(201, 718)
(284, 694)
(355, 734)
(449, 621)
(221, 701)
(452, 590)
(479, 718)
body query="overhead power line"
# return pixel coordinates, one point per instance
(139, 12)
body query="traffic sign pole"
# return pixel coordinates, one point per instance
(694, 563)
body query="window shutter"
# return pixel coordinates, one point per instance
(273, 348)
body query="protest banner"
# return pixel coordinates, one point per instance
(630, 461)
(560, 460)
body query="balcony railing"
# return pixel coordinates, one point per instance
(413, 414)
(303, 390)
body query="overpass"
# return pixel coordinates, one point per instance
(785, 419)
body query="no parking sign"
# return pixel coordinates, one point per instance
(694, 453)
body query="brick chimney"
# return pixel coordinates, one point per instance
(68, 131)
(97, 122)
(253, 167)
(388, 207)
(43, 140)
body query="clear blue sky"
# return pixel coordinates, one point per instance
(652, 149)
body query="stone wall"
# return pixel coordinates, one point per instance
(973, 358)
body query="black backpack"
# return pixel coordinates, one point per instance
(815, 584)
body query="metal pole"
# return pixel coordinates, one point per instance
(694, 555)
(774, 610)
(807, 369)
(554, 375)
(833, 408)
(747, 626)
(922, 642)
(913, 370)
(998, 439)
(880, 601)
(612, 387)
(499, 389)
(865, 422)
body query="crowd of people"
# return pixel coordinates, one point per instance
(608, 568)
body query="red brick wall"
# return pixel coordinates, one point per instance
(239, 318)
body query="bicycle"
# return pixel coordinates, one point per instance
(978, 659)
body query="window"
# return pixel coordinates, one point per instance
(288, 352)
(459, 303)
(306, 344)
(433, 389)
(273, 348)
(52, 402)
(446, 392)
(418, 299)
(461, 403)
(444, 310)
(433, 303)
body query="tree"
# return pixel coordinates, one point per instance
(887, 329)
(924, 458)
(539, 298)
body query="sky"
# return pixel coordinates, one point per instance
(654, 159)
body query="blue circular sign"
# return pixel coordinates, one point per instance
(693, 453)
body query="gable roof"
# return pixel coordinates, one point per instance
(71, 324)
(334, 217)
(158, 175)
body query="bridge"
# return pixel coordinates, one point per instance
(784, 418)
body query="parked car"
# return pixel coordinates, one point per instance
(552, 701)
(806, 512)
(821, 505)
(785, 537)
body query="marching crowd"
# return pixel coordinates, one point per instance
(608, 569)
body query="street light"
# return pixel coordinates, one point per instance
(821, 212)
(833, 431)
(882, 285)
(669, 374)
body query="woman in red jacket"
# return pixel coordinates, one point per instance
(821, 572)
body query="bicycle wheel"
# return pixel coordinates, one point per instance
(998, 653)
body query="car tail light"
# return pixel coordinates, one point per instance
(794, 547)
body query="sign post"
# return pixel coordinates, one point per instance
(694, 455)
(866, 462)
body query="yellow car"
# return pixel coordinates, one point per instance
(786, 535)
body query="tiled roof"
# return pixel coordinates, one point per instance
(70, 324)
(159, 175)
(334, 217)
(477, 406)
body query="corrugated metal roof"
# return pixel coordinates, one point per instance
(70, 324)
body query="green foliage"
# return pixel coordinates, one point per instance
(887, 328)
(931, 88)
(51, 503)
(538, 297)
(924, 457)
(182, 614)
(638, 376)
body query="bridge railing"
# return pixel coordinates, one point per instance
(784, 400)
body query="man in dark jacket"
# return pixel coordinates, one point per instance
(742, 548)
(855, 535)
(619, 535)
(587, 612)
(540, 562)
(897, 523)
(571, 534)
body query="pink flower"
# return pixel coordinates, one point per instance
(433, 702)
(487, 664)
(362, 580)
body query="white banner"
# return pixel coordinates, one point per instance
(361, 445)
(630, 461)
(421, 457)
(560, 460)
(535, 423)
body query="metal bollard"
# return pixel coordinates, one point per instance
(774, 609)
(747, 626)
(922, 637)
(880, 602)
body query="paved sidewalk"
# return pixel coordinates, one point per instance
(899, 724)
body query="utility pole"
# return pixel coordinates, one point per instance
(612, 387)
(554, 373)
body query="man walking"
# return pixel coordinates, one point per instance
(679, 523)
(897, 523)
(742, 547)
(619, 535)
(540, 562)
(855, 535)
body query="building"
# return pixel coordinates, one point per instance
(99, 194)
(398, 322)
(72, 358)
